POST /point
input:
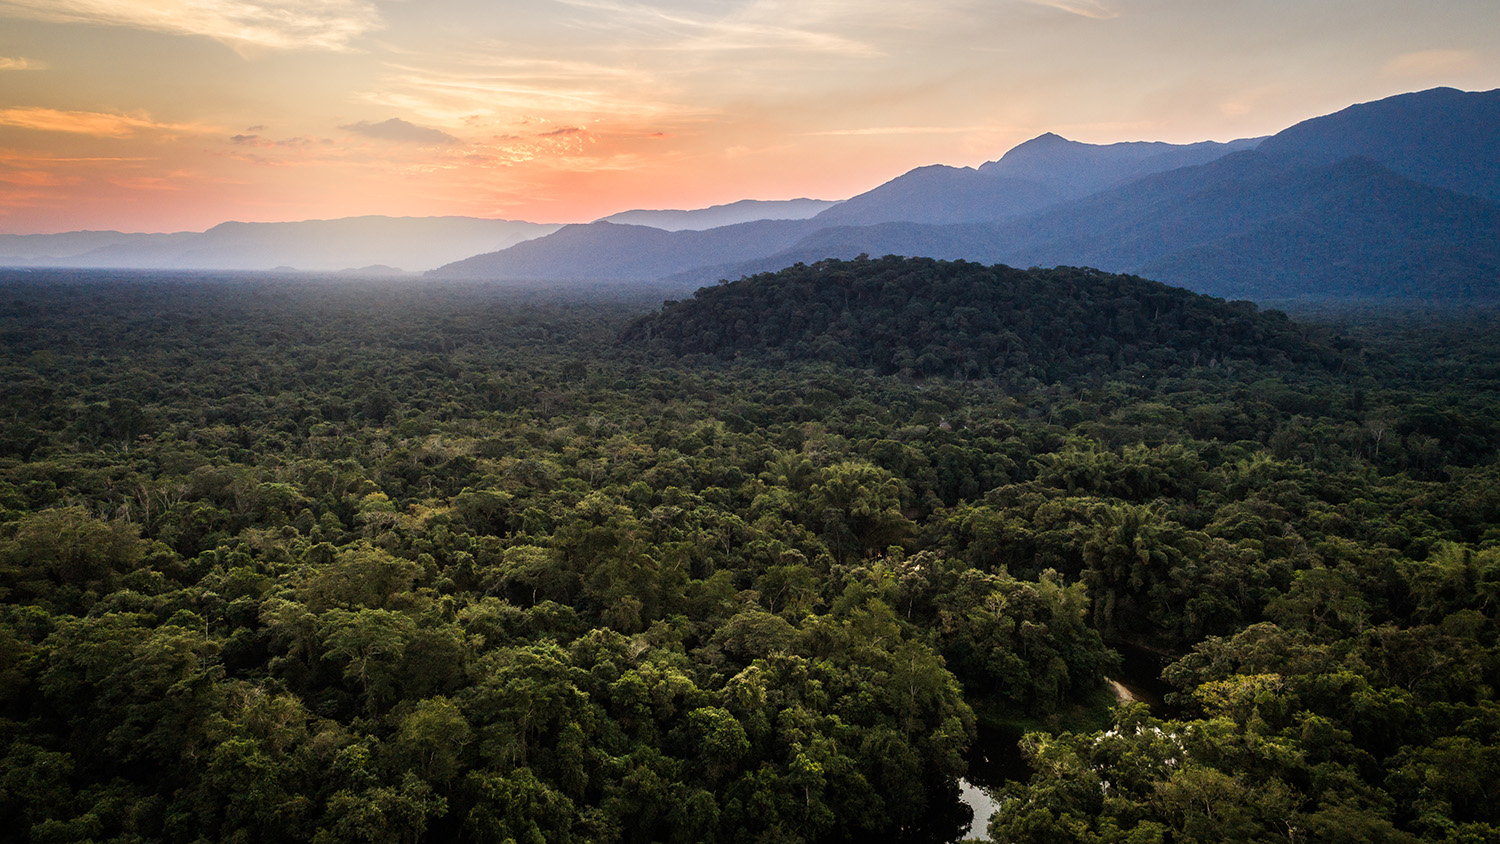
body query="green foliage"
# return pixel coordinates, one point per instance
(961, 320)
(313, 562)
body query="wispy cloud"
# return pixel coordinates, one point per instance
(750, 27)
(401, 131)
(244, 25)
(1083, 8)
(170, 182)
(20, 63)
(904, 130)
(475, 90)
(32, 177)
(252, 140)
(97, 124)
(14, 158)
(1427, 64)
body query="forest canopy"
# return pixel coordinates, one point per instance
(921, 317)
(305, 560)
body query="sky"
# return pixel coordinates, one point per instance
(176, 115)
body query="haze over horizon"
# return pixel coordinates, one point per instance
(145, 115)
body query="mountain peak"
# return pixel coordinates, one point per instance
(1044, 140)
(1045, 144)
(1077, 169)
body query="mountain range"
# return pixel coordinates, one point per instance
(392, 244)
(744, 211)
(1394, 198)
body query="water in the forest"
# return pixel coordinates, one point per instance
(982, 805)
(995, 757)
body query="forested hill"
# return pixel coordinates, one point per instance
(923, 317)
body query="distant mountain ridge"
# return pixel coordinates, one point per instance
(941, 194)
(408, 243)
(1391, 198)
(744, 211)
(935, 194)
(1351, 229)
(1081, 169)
(1396, 197)
(1035, 175)
(1441, 137)
(614, 252)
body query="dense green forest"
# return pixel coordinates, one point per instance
(325, 560)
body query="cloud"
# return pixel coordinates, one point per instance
(397, 129)
(20, 63)
(758, 25)
(1083, 8)
(566, 130)
(1426, 64)
(148, 183)
(32, 178)
(251, 140)
(904, 130)
(13, 158)
(244, 25)
(479, 90)
(97, 124)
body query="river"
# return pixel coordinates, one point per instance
(996, 759)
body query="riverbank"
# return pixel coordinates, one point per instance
(995, 758)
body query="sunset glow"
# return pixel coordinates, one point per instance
(165, 115)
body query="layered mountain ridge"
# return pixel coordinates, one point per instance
(1395, 198)
(407, 243)
(744, 211)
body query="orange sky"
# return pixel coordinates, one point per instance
(168, 115)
